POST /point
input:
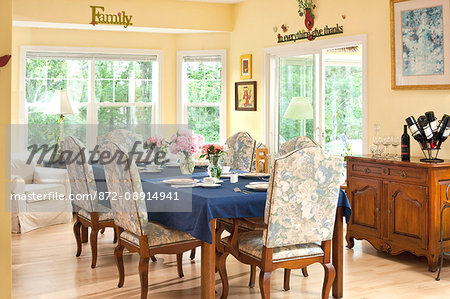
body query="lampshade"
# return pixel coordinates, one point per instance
(61, 104)
(299, 108)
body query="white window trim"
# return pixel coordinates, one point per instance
(269, 76)
(182, 108)
(91, 118)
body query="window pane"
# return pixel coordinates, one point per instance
(143, 69)
(296, 79)
(205, 121)
(195, 91)
(122, 69)
(104, 91)
(213, 70)
(213, 91)
(78, 69)
(53, 85)
(143, 91)
(35, 90)
(194, 70)
(110, 118)
(79, 91)
(104, 69)
(57, 69)
(121, 91)
(36, 68)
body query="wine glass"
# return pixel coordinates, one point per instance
(377, 142)
(387, 141)
(395, 144)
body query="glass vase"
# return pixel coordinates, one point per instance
(187, 164)
(215, 166)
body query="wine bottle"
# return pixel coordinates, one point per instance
(441, 131)
(405, 144)
(432, 120)
(445, 135)
(423, 123)
(416, 131)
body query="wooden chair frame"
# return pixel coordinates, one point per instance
(267, 265)
(145, 253)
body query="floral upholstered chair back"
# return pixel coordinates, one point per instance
(122, 179)
(302, 198)
(299, 142)
(81, 176)
(124, 137)
(241, 149)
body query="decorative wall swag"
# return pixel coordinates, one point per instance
(305, 7)
(120, 18)
(4, 60)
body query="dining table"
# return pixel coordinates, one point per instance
(196, 210)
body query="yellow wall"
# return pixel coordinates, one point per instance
(5, 99)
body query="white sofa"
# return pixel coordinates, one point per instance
(39, 195)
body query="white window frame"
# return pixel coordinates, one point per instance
(93, 106)
(182, 104)
(270, 84)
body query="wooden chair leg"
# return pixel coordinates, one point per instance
(305, 272)
(192, 256)
(93, 240)
(77, 233)
(102, 231)
(251, 283)
(264, 284)
(287, 279)
(221, 264)
(118, 256)
(153, 258)
(84, 234)
(115, 235)
(180, 265)
(330, 273)
(143, 275)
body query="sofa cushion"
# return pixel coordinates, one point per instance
(19, 166)
(39, 192)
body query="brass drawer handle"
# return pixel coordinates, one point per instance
(367, 170)
(403, 174)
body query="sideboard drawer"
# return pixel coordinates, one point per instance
(417, 175)
(366, 169)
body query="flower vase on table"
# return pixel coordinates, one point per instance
(187, 164)
(214, 154)
(185, 144)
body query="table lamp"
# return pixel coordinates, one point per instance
(61, 104)
(300, 108)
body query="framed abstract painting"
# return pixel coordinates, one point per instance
(420, 44)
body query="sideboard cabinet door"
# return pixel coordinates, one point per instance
(408, 210)
(365, 202)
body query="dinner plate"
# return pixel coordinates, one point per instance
(145, 170)
(210, 185)
(257, 187)
(180, 181)
(217, 182)
(254, 175)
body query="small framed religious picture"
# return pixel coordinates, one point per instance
(245, 96)
(246, 67)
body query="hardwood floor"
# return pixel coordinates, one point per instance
(44, 266)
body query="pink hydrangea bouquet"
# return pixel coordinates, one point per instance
(213, 149)
(184, 141)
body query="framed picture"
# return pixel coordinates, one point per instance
(246, 67)
(420, 44)
(245, 96)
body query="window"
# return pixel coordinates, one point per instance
(109, 90)
(318, 91)
(201, 93)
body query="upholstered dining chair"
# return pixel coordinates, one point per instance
(298, 222)
(89, 212)
(135, 232)
(241, 150)
(296, 143)
(124, 137)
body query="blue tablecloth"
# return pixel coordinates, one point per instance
(207, 204)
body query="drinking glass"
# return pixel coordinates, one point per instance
(377, 142)
(395, 144)
(387, 141)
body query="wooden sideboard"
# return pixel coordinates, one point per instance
(396, 205)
